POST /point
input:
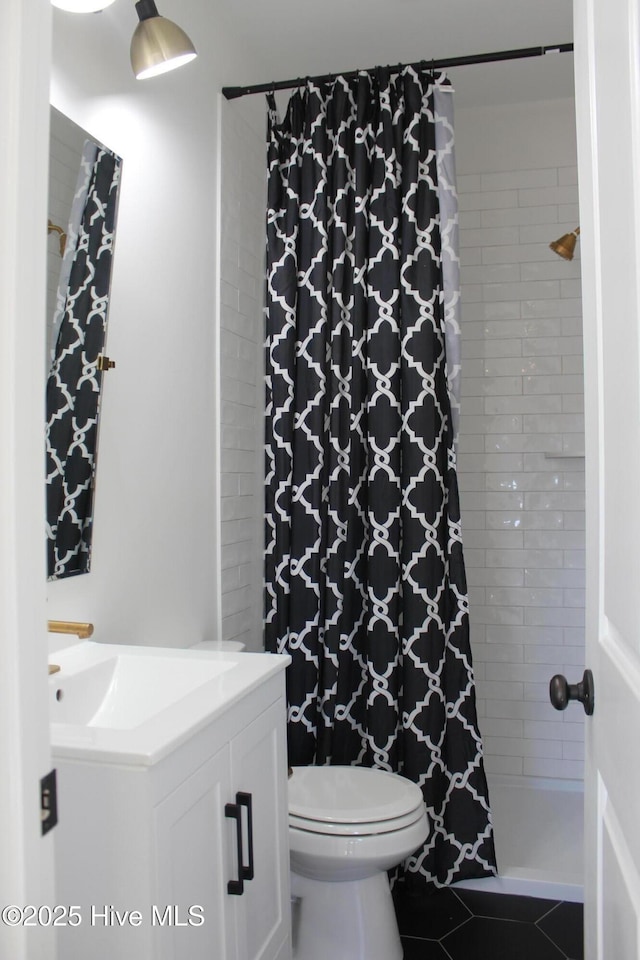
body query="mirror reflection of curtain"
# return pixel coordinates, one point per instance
(74, 382)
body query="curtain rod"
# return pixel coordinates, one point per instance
(232, 93)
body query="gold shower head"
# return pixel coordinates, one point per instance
(566, 245)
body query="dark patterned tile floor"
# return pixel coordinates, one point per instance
(455, 924)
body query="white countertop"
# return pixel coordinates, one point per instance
(111, 736)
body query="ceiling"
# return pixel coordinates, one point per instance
(292, 38)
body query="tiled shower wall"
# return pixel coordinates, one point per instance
(243, 204)
(521, 472)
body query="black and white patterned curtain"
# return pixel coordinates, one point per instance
(365, 580)
(74, 382)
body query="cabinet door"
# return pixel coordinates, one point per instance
(192, 848)
(259, 768)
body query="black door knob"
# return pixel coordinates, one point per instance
(561, 692)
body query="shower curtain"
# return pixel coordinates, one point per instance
(364, 574)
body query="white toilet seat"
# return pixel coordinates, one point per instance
(352, 801)
(368, 829)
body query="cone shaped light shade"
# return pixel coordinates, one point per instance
(566, 245)
(158, 44)
(81, 6)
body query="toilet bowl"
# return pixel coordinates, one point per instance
(224, 646)
(347, 827)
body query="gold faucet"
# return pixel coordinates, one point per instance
(81, 630)
(53, 668)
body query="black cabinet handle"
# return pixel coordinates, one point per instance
(245, 800)
(234, 812)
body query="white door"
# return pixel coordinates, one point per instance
(607, 57)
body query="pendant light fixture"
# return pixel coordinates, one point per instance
(82, 6)
(158, 44)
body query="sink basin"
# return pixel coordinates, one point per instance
(121, 703)
(126, 690)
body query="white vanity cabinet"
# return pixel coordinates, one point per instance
(164, 859)
(252, 920)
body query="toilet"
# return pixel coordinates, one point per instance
(347, 827)
(222, 646)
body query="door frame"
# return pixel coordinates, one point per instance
(26, 865)
(586, 143)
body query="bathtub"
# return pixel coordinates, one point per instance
(538, 828)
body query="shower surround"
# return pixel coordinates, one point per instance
(521, 474)
(520, 465)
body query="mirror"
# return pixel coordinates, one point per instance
(84, 180)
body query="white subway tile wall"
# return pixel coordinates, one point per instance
(243, 205)
(520, 471)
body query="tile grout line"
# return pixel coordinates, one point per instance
(552, 942)
(430, 940)
(489, 916)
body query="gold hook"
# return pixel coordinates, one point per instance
(105, 363)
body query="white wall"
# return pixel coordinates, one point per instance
(155, 570)
(521, 426)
